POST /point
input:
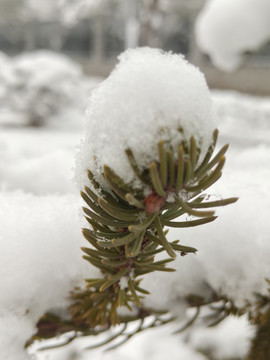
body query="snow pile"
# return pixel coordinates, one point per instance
(39, 162)
(148, 97)
(40, 262)
(236, 112)
(40, 175)
(225, 29)
(41, 88)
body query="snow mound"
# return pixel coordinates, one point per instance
(236, 111)
(225, 29)
(40, 262)
(42, 88)
(38, 161)
(149, 96)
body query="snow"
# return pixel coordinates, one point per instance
(226, 29)
(148, 97)
(42, 89)
(40, 261)
(236, 111)
(37, 161)
(229, 340)
(16, 328)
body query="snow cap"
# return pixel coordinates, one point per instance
(149, 96)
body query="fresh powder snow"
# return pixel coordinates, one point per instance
(42, 89)
(40, 263)
(149, 96)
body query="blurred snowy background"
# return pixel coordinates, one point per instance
(52, 55)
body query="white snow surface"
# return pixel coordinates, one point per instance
(229, 340)
(148, 97)
(236, 111)
(38, 162)
(40, 238)
(225, 29)
(40, 262)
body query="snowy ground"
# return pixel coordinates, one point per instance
(36, 180)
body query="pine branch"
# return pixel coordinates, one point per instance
(127, 231)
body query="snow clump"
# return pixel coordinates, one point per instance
(225, 29)
(149, 96)
(41, 88)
